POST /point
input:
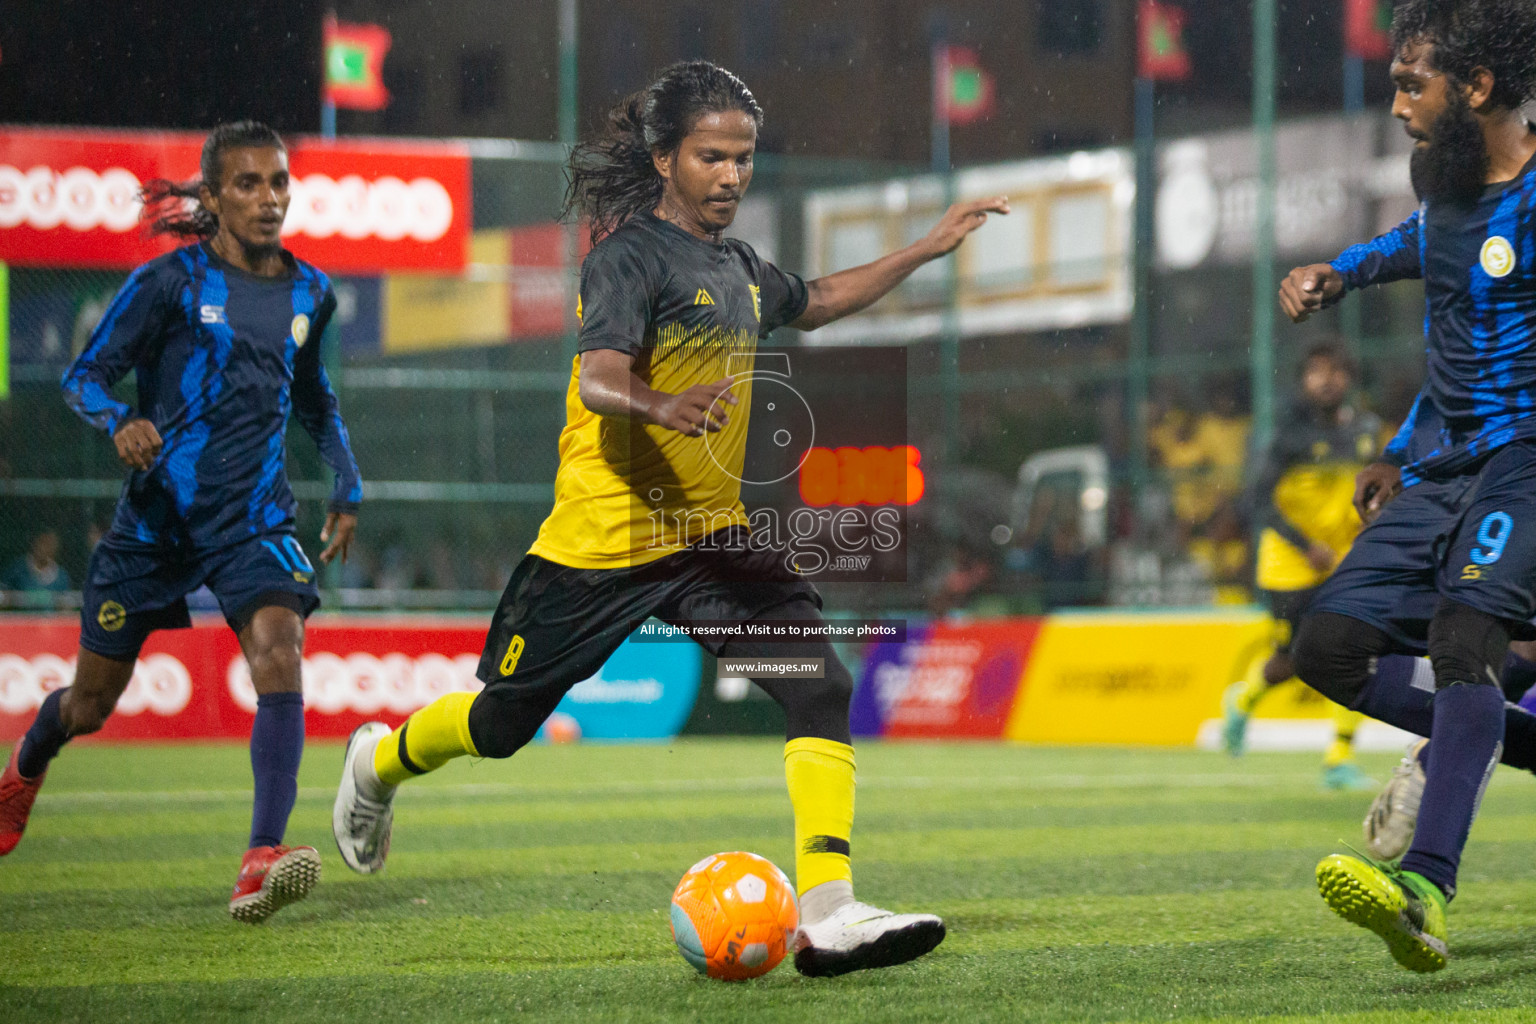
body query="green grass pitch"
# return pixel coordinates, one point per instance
(1078, 884)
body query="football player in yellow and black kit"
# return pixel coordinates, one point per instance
(648, 518)
(1303, 500)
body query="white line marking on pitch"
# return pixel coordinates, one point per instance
(672, 786)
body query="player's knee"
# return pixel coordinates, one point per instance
(85, 712)
(1332, 654)
(818, 707)
(832, 692)
(278, 665)
(836, 691)
(1466, 645)
(500, 727)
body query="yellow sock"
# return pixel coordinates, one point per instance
(1254, 686)
(820, 777)
(427, 740)
(1342, 749)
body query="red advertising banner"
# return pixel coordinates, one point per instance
(194, 683)
(70, 198)
(538, 279)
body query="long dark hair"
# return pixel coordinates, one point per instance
(1499, 35)
(166, 206)
(611, 178)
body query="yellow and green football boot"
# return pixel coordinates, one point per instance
(1404, 908)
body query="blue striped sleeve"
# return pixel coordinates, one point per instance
(125, 332)
(1394, 256)
(1396, 452)
(319, 412)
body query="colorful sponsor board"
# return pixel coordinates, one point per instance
(194, 684)
(644, 691)
(950, 680)
(71, 198)
(429, 311)
(514, 289)
(1142, 678)
(1069, 678)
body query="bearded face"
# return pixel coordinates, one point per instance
(1450, 164)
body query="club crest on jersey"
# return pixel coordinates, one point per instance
(300, 330)
(757, 301)
(212, 315)
(111, 616)
(1497, 257)
(703, 299)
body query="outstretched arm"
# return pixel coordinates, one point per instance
(1393, 256)
(848, 291)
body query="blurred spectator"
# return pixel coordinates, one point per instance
(962, 573)
(1175, 448)
(1049, 558)
(1186, 542)
(397, 569)
(1042, 513)
(38, 571)
(1202, 455)
(1223, 435)
(359, 570)
(1064, 564)
(1221, 550)
(442, 566)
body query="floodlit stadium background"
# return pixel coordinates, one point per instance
(1085, 381)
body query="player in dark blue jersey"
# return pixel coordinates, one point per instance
(1448, 565)
(223, 337)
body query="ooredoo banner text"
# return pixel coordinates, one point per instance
(71, 198)
(193, 684)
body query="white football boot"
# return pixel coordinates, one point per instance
(857, 936)
(361, 824)
(1395, 811)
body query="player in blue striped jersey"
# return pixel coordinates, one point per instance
(1448, 565)
(223, 337)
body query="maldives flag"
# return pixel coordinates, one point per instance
(963, 93)
(1368, 29)
(1160, 53)
(354, 65)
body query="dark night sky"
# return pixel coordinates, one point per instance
(189, 64)
(155, 63)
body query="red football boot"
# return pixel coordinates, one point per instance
(271, 877)
(16, 796)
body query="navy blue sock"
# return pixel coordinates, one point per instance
(44, 739)
(1401, 692)
(277, 744)
(1517, 676)
(1469, 727)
